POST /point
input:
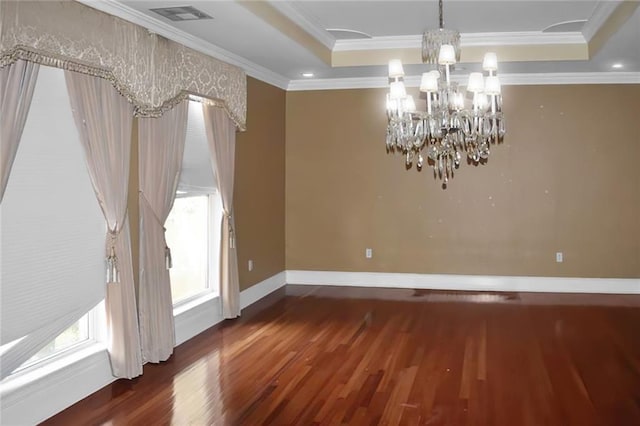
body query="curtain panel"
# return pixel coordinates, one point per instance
(104, 122)
(221, 135)
(17, 82)
(161, 147)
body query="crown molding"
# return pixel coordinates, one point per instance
(601, 13)
(358, 83)
(339, 83)
(312, 28)
(505, 79)
(129, 14)
(516, 38)
(468, 39)
(570, 78)
(383, 42)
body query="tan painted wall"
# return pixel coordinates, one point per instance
(133, 205)
(259, 184)
(567, 178)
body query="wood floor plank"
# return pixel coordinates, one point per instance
(333, 356)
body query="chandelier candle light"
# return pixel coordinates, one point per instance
(446, 128)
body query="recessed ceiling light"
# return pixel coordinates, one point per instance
(617, 66)
(307, 74)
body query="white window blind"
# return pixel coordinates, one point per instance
(52, 230)
(197, 176)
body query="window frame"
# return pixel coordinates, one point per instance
(210, 291)
(96, 337)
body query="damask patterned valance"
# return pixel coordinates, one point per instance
(152, 72)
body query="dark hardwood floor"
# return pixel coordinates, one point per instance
(328, 355)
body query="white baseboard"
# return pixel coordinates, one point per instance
(262, 289)
(193, 321)
(467, 282)
(36, 400)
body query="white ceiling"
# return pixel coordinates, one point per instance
(238, 35)
(387, 18)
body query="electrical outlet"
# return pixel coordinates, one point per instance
(250, 265)
(368, 253)
(559, 257)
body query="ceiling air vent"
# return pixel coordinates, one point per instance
(181, 13)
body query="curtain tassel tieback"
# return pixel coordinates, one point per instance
(113, 271)
(232, 233)
(113, 267)
(168, 261)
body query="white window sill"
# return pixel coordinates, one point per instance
(195, 316)
(25, 388)
(30, 376)
(190, 304)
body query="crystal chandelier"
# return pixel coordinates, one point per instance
(447, 128)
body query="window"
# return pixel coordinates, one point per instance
(77, 333)
(188, 235)
(52, 233)
(86, 331)
(193, 225)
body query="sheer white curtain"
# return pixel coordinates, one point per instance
(161, 147)
(17, 82)
(104, 120)
(221, 135)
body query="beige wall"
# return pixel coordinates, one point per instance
(133, 205)
(259, 184)
(565, 179)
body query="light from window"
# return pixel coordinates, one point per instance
(77, 333)
(188, 237)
